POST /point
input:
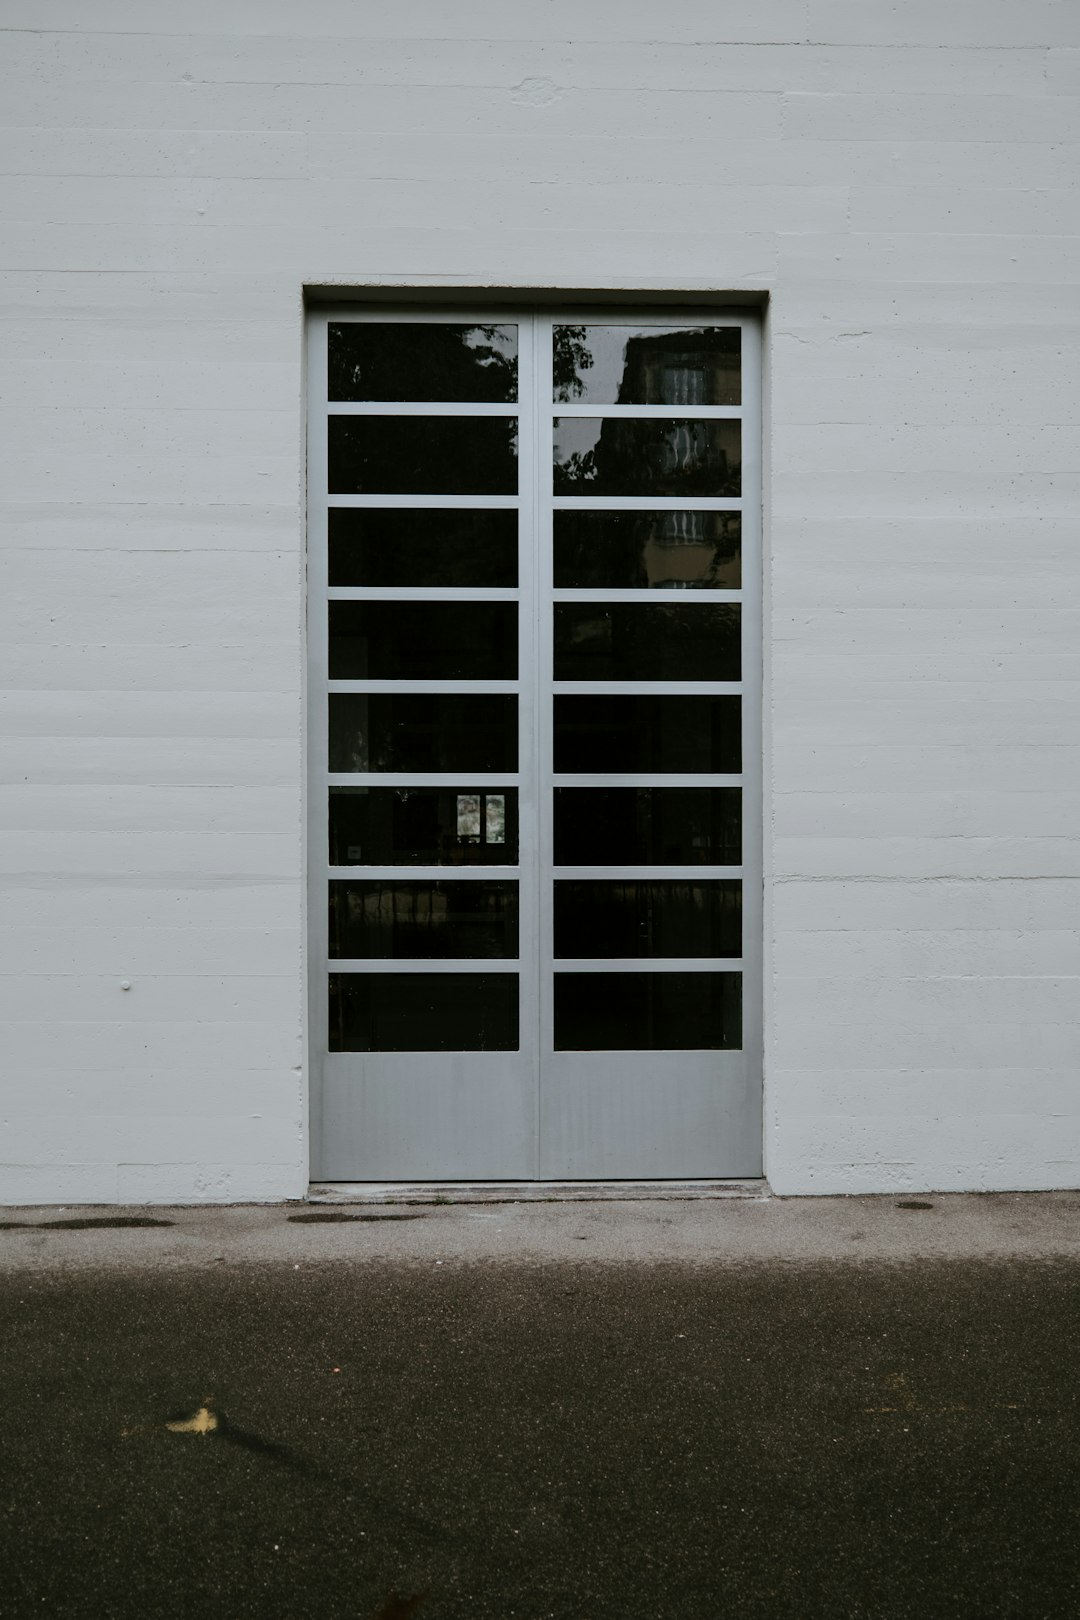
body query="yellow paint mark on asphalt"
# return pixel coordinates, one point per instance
(203, 1422)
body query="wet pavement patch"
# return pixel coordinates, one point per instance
(82, 1223)
(335, 1216)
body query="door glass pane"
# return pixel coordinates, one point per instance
(494, 824)
(422, 360)
(423, 826)
(423, 1012)
(647, 733)
(647, 365)
(387, 546)
(630, 917)
(423, 640)
(423, 919)
(618, 455)
(596, 641)
(415, 731)
(648, 826)
(423, 455)
(659, 551)
(648, 1012)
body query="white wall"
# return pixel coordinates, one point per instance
(898, 176)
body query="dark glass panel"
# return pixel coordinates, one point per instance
(648, 733)
(421, 360)
(646, 917)
(648, 826)
(423, 1012)
(422, 455)
(621, 455)
(659, 551)
(423, 826)
(423, 640)
(416, 731)
(648, 1012)
(620, 641)
(423, 919)
(429, 546)
(647, 365)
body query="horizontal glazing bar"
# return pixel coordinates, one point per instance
(440, 874)
(423, 779)
(647, 503)
(646, 688)
(641, 595)
(434, 964)
(481, 315)
(663, 412)
(623, 874)
(645, 779)
(432, 593)
(436, 407)
(446, 503)
(405, 685)
(647, 964)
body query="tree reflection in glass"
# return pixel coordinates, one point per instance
(682, 550)
(422, 360)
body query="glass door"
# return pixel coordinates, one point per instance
(534, 846)
(423, 802)
(649, 660)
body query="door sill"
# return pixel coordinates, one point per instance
(528, 1192)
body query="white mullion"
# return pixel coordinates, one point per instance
(371, 688)
(662, 413)
(406, 313)
(424, 593)
(412, 964)
(545, 621)
(649, 964)
(647, 688)
(681, 312)
(647, 503)
(465, 780)
(651, 874)
(423, 874)
(412, 407)
(617, 779)
(437, 503)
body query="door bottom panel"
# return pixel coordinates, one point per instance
(407, 1116)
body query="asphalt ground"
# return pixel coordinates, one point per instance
(579, 1412)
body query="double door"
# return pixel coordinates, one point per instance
(534, 743)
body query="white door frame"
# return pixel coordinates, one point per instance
(533, 1128)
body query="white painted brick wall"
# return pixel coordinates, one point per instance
(900, 177)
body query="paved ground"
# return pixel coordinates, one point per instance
(759, 1408)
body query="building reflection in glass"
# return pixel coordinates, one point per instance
(422, 826)
(647, 365)
(683, 550)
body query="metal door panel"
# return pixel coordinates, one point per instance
(640, 1116)
(408, 1116)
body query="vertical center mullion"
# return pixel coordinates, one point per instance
(543, 397)
(529, 807)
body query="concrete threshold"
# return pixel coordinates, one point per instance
(529, 1192)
